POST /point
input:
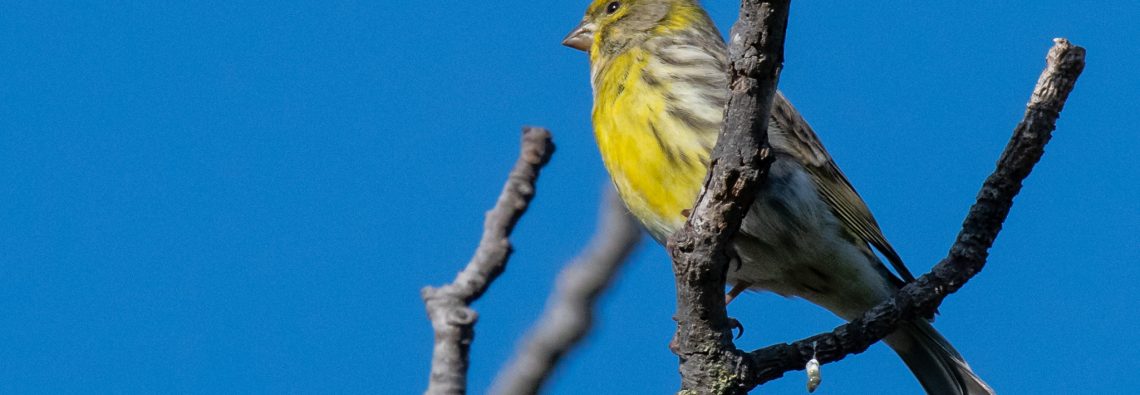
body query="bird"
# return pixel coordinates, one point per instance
(658, 69)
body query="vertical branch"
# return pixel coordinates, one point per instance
(570, 311)
(452, 319)
(709, 361)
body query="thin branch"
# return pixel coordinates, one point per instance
(452, 320)
(569, 312)
(967, 256)
(709, 361)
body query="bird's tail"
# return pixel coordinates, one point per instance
(938, 367)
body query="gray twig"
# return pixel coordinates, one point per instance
(452, 319)
(570, 311)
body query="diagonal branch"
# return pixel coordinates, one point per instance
(569, 313)
(452, 320)
(709, 361)
(967, 256)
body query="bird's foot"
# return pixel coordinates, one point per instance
(736, 290)
(734, 324)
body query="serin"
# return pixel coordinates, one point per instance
(658, 70)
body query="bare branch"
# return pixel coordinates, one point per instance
(967, 256)
(569, 312)
(709, 361)
(452, 320)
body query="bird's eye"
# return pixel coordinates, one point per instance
(613, 7)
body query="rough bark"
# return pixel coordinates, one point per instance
(570, 313)
(709, 361)
(448, 307)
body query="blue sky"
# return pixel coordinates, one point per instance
(245, 197)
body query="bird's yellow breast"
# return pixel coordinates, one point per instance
(656, 161)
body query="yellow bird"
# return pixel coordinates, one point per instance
(658, 71)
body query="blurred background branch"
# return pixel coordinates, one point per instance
(569, 313)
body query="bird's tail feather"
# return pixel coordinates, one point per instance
(938, 367)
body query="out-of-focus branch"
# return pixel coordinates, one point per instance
(569, 312)
(967, 256)
(710, 363)
(452, 319)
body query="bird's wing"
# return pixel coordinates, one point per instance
(791, 133)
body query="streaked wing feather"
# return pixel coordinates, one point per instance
(790, 132)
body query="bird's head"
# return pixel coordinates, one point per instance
(612, 26)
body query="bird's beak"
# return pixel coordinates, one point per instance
(581, 38)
